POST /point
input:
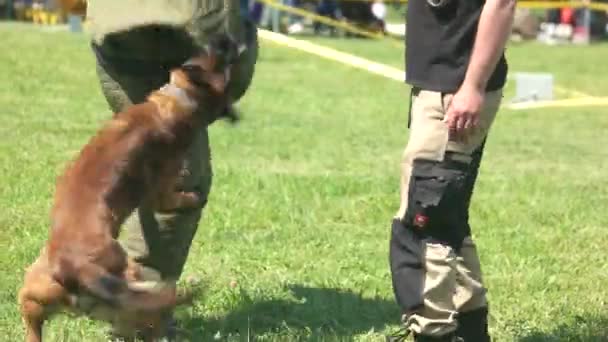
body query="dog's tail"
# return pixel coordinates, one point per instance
(114, 290)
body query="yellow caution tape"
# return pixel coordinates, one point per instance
(578, 102)
(334, 55)
(331, 22)
(547, 4)
(555, 4)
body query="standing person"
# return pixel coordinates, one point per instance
(457, 69)
(136, 43)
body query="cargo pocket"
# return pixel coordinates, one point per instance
(436, 201)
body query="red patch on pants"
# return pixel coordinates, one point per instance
(420, 220)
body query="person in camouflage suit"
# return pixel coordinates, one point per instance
(136, 44)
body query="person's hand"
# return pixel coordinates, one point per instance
(463, 112)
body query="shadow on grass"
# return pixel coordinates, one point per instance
(317, 314)
(580, 329)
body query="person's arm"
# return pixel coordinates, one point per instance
(493, 31)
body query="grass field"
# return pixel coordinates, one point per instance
(305, 187)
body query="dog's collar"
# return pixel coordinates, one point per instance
(179, 94)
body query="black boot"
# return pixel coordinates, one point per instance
(473, 326)
(402, 337)
(445, 338)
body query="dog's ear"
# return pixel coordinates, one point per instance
(225, 48)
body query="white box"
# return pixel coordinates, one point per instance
(533, 87)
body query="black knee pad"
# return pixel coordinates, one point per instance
(406, 257)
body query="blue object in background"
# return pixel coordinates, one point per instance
(75, 23)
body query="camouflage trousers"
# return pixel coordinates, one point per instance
(129, 66)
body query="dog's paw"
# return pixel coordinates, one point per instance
(181, 200)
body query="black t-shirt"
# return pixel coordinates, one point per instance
(439, 42)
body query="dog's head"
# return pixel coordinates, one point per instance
(209, 71)
(207, 75)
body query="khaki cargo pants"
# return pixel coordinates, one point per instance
(434, 263)
(130, 64)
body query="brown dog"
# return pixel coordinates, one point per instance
(134, 159)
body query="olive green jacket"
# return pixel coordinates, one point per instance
(156, 31)
(198, 17)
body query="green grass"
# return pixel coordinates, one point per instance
(305, 187)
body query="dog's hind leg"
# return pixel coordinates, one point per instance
(32, 313)
(40, 292)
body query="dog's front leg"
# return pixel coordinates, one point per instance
(169, 198)
(179, 200)
(153, 333)
(174, 200)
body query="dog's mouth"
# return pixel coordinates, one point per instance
(206, 80)
(213, 66)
